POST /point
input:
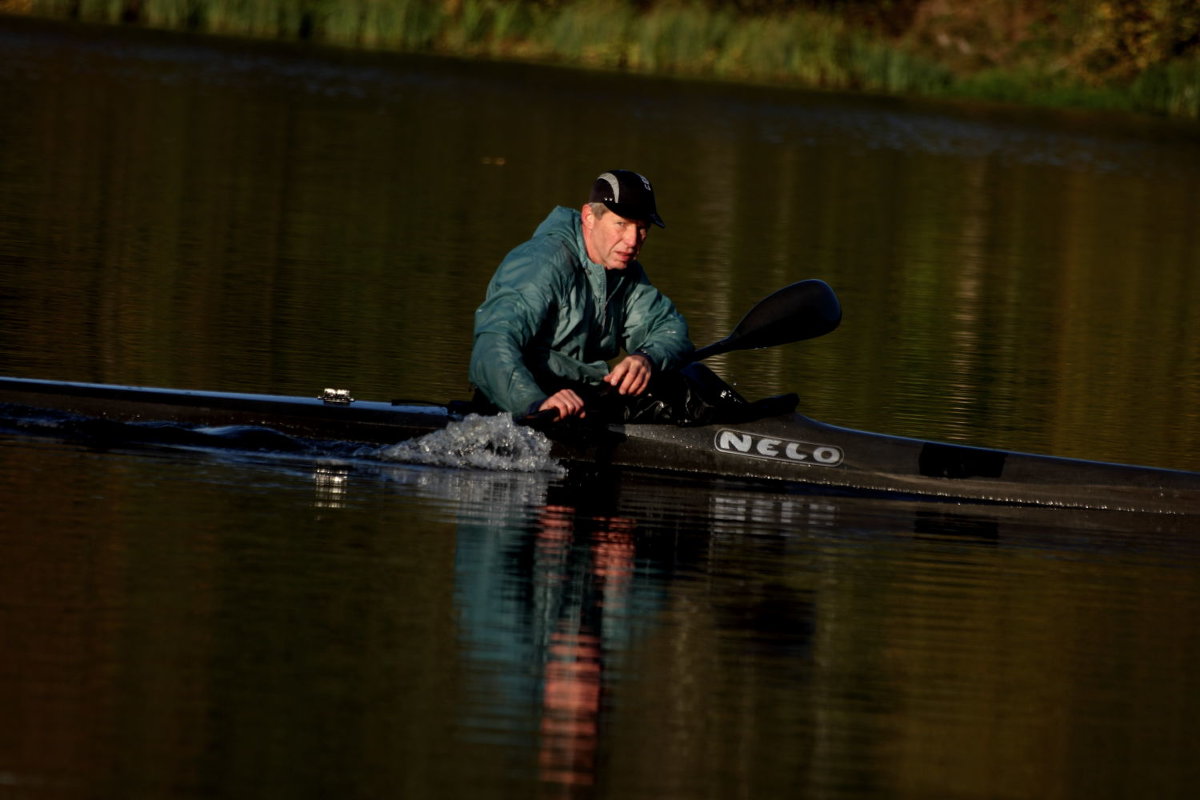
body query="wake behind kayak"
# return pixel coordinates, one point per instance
(476, 442)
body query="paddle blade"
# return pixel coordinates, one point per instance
(804, 310)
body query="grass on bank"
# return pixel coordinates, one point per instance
(1100, 55)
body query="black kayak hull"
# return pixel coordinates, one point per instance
(786, 448)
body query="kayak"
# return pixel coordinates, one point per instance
(786, 449)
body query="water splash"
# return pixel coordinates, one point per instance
(477, 442)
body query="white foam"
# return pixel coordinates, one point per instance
(477, 442)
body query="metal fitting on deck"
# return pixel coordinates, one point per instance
(337, 397)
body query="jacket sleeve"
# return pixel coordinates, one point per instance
(517, 302)
(654, 328)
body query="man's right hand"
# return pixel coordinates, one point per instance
(566, 402)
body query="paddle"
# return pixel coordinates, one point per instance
(804, 310)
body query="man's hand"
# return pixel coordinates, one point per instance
(631, 376)
(565, 402)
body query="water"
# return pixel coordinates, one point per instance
(195, 621)
(489, 443)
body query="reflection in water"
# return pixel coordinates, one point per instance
(552, 601)
(574, 659)
(330, 484)
(545, 607)
(575, 607)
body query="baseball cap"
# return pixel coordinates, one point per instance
(628, 194)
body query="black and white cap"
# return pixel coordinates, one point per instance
(628, 194)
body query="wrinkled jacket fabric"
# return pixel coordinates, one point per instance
(552, 316)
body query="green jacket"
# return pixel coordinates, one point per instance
(552, 315)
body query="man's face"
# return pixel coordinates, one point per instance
(613, 241)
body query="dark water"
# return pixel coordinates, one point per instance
(198, 623)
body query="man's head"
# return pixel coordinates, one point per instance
(617, 217)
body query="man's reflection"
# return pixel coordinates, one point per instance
(572, 676)
(555, 586)
(544, 607)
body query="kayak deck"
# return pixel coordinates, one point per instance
(315, 418)
(788, 448)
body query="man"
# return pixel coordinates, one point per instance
(569, 300)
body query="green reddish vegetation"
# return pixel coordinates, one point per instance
(1138, 55)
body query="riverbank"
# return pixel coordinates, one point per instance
(1133, 56)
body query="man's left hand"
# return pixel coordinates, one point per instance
(631, 376)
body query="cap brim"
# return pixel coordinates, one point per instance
(627, 213)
